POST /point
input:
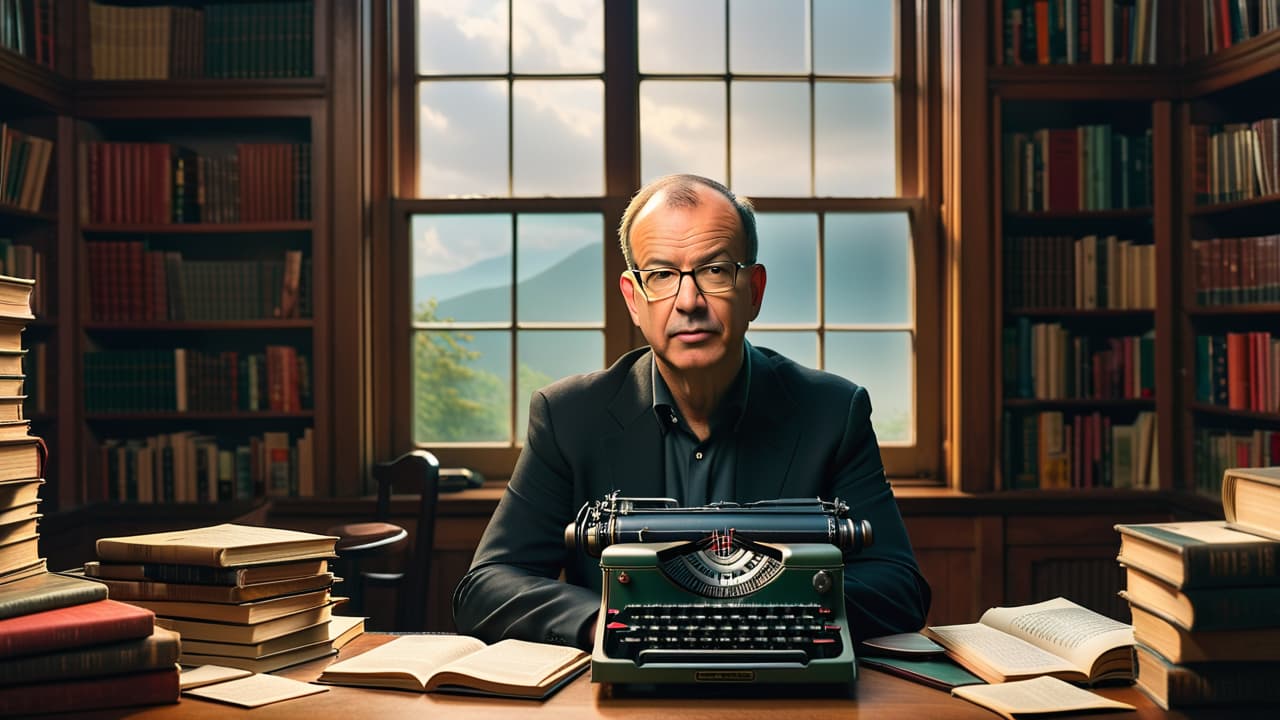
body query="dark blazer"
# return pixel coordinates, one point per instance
(805, 433)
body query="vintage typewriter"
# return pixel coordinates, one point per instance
(725, 593)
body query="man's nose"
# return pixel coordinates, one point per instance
(688, 296)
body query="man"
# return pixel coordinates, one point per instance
(700, 415)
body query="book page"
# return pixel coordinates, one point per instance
(416, 655)
(1002, 652)
(1036, 696)
(1063, 628)
(257, 690)
(515, 662)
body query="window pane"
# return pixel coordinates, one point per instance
(853, 38)
(557, 36)
(799, 346)
(461, 268)
(883, 363)
(856, 152)
(462, 138)
(789, 250)
(867, 266)
(682, 129)
(560, 265)
(547, 356)
(461, 386)
(462, 36)
(678, 36)
(769, 36)
(769, 151)
(559, 137)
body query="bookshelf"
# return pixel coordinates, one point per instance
(1227, 234)
(1082, 218)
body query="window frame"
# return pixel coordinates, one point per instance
(918, 182)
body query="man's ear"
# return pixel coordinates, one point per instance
(627, 284)
(759, 276)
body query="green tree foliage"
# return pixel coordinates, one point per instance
(453, 401)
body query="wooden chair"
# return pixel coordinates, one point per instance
(363, 542)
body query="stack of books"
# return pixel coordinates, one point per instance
(63, 645)
(240, 596)
(1205, 598)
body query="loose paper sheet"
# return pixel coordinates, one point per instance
(257, 690)
(1039, 695)
(194, 677)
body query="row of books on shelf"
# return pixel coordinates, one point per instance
(189, 467)
(1086, 273)
(161, 183)
(1234, 271)
(1205, 598)
(25, 261)
(1053, 450)
(24, 168)
(219, 40)
(129, 283)
(1053, 32)
(1239, 370)
(1214, 450)
(35, 384)
(1234, 21)
(1236, 161)
(1046, 361)
(26, 28)
(188, 380)
(1090, 167)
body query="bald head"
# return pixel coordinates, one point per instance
(681, 191)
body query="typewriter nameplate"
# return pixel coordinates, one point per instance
(724, 675)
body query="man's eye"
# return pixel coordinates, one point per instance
(660, 275)
(713, 270)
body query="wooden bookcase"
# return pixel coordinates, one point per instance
(253, 94)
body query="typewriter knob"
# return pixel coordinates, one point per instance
(822, 582)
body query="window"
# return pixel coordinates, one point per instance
(526, 125)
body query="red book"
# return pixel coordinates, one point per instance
(149, 688)
(94, 623)
(1238, 371)
(1098, 34)
(1064, 176)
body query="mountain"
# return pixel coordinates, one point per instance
(542, 295)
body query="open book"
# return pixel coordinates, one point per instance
(1056, 637)
(458, 663)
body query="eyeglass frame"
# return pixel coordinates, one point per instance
(737, 266)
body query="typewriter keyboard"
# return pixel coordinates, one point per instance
(741, 633)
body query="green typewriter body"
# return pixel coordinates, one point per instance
(716, 599)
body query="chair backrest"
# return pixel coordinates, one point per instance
(414, 472)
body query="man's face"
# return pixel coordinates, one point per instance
(692, 331)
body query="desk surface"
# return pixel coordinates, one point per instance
(879, 696)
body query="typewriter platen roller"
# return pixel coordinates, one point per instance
(724, 593)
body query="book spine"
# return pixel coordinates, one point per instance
(159, 650)
(1220, 683)
(42, 637)
(1251, 564)
(37, 601)
(152, 688)
(1235, 608)
(113, 551)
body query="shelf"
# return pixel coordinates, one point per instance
(201, 325)
(1225, 412)
(1100, 314)
(1084, 82)
(1249, 60)
(26, 86)
(1080, 404)
(1056, 216)
(201, 228)
(191, 97)
(9, 211)
(195, 416)
(1230, 311)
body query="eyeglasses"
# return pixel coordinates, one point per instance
(710, 279)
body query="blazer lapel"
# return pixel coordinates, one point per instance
(768, 437)
(635, 449)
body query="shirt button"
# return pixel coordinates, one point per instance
(674, 419)
(698, 455)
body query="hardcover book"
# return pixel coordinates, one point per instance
(94, 623)
(246, 633)
(1234, 608)
(223, 545)
(157, 651)
(1056, 637)
(46, 591)
(200, 575)
(71, 695)
(1200, 554)
(1179, 645)
(1251, 500)
(458, 663)
(246, 613)
(132, 590)
(1173, 686)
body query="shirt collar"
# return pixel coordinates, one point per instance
(732, 407)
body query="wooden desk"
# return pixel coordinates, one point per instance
(879, 696)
